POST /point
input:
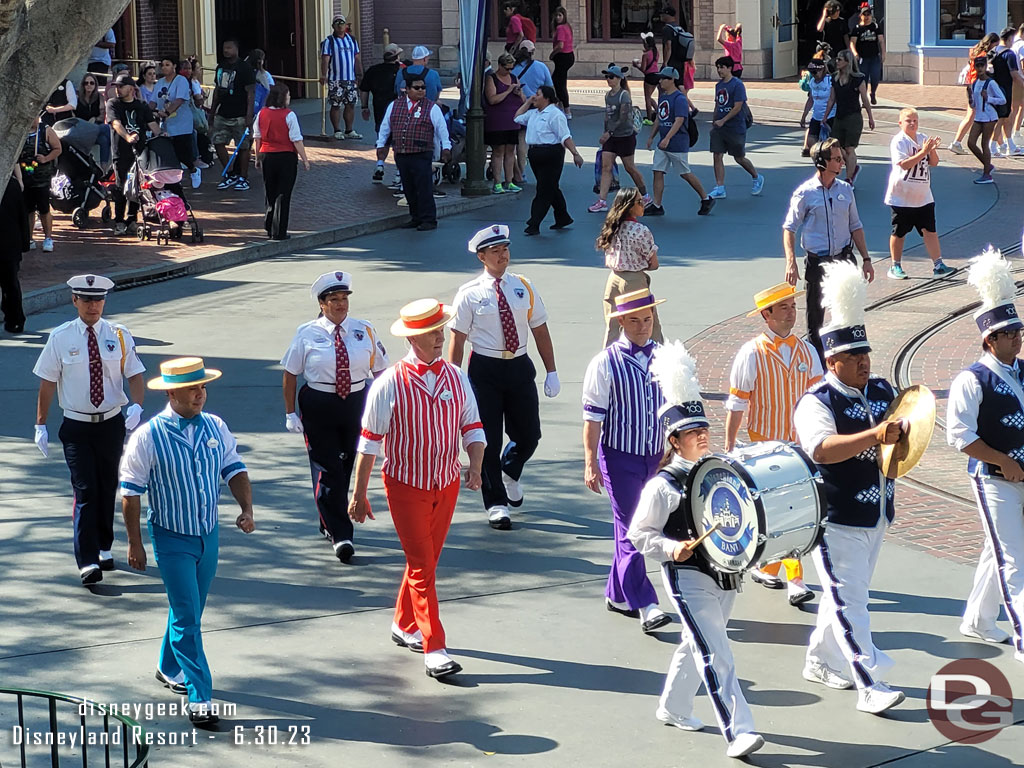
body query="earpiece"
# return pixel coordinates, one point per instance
(820, 159)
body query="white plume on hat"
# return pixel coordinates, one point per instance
(844, 292)
(675, 370)
(989, 274)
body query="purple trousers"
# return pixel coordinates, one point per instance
(624, 477)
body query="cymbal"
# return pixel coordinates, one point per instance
(916, 406)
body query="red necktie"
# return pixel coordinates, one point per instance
(508, 323)
(342, 374)
(95, 370)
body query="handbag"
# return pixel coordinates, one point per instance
(199, 120)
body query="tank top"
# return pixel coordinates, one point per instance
(501, 116)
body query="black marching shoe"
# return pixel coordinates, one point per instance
(92, 576)
(624, 611)
(656, 622)
(448, 668)
(416, 646)
(531, 231)
(427, 226)
(166, 682)
(344, 550)
(201, 717)
(107, 565)
(410, 225)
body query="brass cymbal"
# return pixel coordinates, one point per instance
(916, 406)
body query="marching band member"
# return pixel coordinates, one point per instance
(419, 408)
(495, 312)
(336, 355)
(769, 375)
(622, 445)
(984, 421)
(86, 362)
(179, 458)
(662, 530)
(837, 423)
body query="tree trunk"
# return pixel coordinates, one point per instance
(40, 42)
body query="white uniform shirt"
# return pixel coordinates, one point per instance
(658, 500)
(826, 218)
(380, 404)
(744, 370)
(477, 316)
(65, 360)
(597, 382)
(908, 188)
(545, 126)
(312, 353)
(965, 399)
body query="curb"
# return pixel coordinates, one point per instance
(56, 295)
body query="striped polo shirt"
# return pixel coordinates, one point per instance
(342, 51)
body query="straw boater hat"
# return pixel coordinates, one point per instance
(421, 316)
(675, 370)
(772, 296)
(844, 292)
(635, 301)
(183, 372)
(989, 274)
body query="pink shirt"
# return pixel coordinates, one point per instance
(563, 32)
(513, 29)
(631, 249)
(734, 50)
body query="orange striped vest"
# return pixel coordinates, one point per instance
(778, 388)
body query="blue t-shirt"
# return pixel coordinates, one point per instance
(726, 96)
(432, 81)
(180, 123)
(671, 107)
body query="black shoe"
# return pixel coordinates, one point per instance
(427, 226)
(415, 646)
(767, 580)
(597, 189)
(166, 682)
(92, 576)
(448, 668)
(805, 152)
(201, 719)
(561, 224)
(378, 175)
(410, 225)
(344, 551)
(654, 210)
(656, 623)
(15, 328)
(282, 237)
(706, 205)
(613, 609)
(612, 187)
(107, 565)
(801, 597)
(873, 99)
(324, 533)
(531, 231)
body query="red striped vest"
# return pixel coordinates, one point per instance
(411, 131)
(421, 446)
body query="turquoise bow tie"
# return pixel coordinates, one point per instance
(195, 421)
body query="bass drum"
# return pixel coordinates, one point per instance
(768, 501)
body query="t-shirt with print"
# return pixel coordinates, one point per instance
(867, 40)
(908, 188)
(672, 106)
(135, 116)
(820, 91)
(180, 123)
(726, 96)
(231, 82)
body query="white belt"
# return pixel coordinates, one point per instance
(357, 386)
(92, 417)
(499, 354)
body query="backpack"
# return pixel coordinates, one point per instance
(691, 128)
(682, 42)
(529, 28)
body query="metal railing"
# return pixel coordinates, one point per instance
(117, 731)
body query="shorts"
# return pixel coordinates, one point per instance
(666, 161)
(227, 129)
(622, 146)
(1002, 110)
(905, 219)
(652, 78)
(814, 129)
(37, 199)
(183, 148)
(728, 143)
(846, 130)
(502, 138)
(342, 92)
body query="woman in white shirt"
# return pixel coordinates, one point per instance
(547, 134)
(985, 94)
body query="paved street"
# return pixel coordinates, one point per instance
(551, 679)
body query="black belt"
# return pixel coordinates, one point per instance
(846, 253)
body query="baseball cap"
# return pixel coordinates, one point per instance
(421, 52)
(392, 51)
(527, 45)
(615, 71)
(668, 72)
(814, 65)
(123, 78)
(340, 18)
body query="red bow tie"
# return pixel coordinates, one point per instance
(434, 367)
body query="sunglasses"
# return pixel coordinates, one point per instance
(417, 88)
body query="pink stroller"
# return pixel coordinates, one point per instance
(155, 184)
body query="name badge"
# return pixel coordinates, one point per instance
(802, 367)
(840, 197)
(73, 351)
(212, 443)
(446, 395)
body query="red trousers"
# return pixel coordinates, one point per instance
(422, 519)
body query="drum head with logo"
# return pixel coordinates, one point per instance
(718, 490)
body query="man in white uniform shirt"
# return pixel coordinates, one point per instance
(910, 193)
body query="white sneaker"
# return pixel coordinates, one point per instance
(745, 744)
(339, 135)
(1016, 151)
(47, 245)
(989, 634)
(996, 150)
(513, 490)
(33, 245)
(497, 517)
(196, 177)
(957, 148)
(717, 193)
(817, 672)
(878, 698)
(686, 723)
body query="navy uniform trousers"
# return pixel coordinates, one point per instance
(417, 174)
(93, 453)
(506, 394)
(332, 425)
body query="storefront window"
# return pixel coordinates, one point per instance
(626, 19)
(961, 19)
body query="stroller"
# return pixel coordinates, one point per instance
(452, 170)
(79, 184)
(155, 184)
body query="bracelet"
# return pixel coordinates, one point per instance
(865, 261)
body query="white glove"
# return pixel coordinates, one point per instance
(42, 440)
(132, 416)
(292, 423)
(551, 385)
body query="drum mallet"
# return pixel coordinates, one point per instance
(693, 544)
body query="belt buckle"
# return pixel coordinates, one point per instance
(506, 355)
(95, 418)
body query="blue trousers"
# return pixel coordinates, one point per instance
(187, 567)
(872, 70)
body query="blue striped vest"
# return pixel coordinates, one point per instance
(631, 425)
(184, 484)
(852, 486)
(1000, 419)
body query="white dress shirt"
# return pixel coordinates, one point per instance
(380, 404)
(965, 399)
(597, 382)
(436, 119)
(312, 352)
(477, 316)
(826, 217)
(65, 360)
(658, 500)
(744, 369)
(545, 126)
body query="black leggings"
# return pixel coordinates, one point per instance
(560, 77)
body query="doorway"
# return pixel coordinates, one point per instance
(271, 25)
(809, 13)
(784, 39)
